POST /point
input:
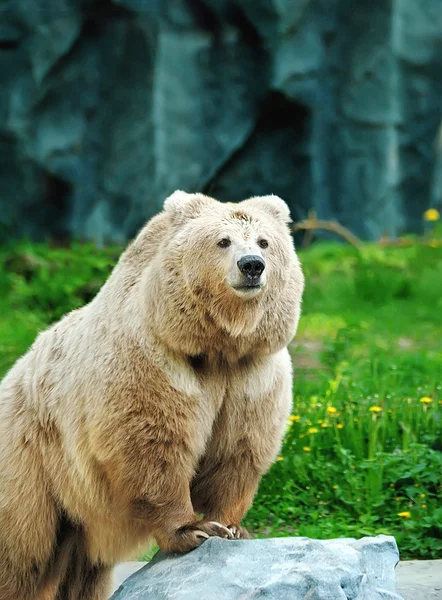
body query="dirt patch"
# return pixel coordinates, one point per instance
(305, 354)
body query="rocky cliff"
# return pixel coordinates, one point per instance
(106, 107)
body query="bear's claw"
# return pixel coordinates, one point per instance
(193, 535)
(239, 532)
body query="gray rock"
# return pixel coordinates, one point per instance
(108, 105)
(280, 568)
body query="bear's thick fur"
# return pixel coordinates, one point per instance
(166, 396)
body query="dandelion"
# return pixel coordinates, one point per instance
(294, 418)
(335, 487)
(432, 214)
(320, 421)
(306, 448)
(423, 495)
(324, 425)
(280, 458)
(406, 514)
(312, 430)
(331, 410)
(340, 425)
(375, 409)
(426, 400)
(423, 506)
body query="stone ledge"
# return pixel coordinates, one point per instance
(416, 579)
(280, 568)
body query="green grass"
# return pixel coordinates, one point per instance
(363, 450)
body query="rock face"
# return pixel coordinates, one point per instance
(106, 106)
(278, 569)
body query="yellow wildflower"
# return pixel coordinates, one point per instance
(335, 487)
(406, 514)
(306, 449)
(432, 214)
(320, 421)
(423, 495)
(324, 425)
(375, 409)
(280, 458)
(294, 418)
(426, 400)
(332, 410)
(423, 506)
(312, 430)
(340, 425)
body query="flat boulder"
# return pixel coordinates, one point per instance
(278, 568)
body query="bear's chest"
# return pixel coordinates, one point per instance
(212, 382)
(211, 385)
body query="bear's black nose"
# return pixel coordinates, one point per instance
(251, 266)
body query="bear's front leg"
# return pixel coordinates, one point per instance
(148, 450)
(160, 499)
(246, 440)
(224, 492)
(161, 502)
(173, 522)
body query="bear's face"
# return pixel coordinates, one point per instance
(233, 258)
(241, 256)
(226, 257)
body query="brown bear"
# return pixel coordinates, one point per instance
(164, 398)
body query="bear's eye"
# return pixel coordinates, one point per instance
(263, 243)
(224, 243)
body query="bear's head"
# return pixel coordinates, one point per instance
(230, 250)
(226, 271)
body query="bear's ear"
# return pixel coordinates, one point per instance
(182, 206)
(273, 205)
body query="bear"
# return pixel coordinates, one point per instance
(151, 413)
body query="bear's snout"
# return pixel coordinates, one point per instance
(251, 266)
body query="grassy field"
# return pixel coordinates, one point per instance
(363, 450)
